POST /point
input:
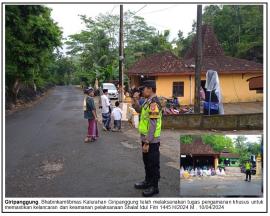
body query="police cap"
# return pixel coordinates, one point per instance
(149, 83)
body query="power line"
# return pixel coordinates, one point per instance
(160, 10)
(112, 9)
(139, 10)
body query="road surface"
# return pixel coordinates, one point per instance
(46, 157)
(219, 186)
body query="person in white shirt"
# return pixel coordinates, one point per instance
(117, 116)
(106, 110)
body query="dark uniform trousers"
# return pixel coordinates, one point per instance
(248, 175)
(151, 164)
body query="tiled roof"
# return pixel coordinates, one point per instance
(166, 63)
(226, 64)
(197, 147)
(211, 47)
(214, 58)
(229, 155)
(158, 63)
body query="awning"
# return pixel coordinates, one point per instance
(256, 83)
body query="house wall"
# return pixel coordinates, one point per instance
(234, 88)
(165, 87)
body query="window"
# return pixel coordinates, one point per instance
(178, 89)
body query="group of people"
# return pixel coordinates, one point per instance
(190, 172)
(107, 111)
(186, 173)
(148, 105)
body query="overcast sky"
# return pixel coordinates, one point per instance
(250, 138)
(162, 16)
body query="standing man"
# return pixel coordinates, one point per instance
(105, 110)
(248, 170)
(149, 129)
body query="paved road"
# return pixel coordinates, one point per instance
(220, 187)
(46, 156)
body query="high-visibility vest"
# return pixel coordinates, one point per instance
(248, 166)
(150, 109)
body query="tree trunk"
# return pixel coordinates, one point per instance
(35, 87)
(15, 90)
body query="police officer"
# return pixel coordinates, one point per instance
(248, 166)
(149, 129)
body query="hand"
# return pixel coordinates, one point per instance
(145, 148)
(136, 95)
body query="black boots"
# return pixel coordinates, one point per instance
(150, 191)
(142, 185)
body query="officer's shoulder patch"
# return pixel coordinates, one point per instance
(154, 110)
(156, 100)
(153, 106)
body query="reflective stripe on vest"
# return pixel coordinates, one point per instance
(145, 121)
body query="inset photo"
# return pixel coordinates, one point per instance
(221, 165)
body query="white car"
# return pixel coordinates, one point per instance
(112, 91)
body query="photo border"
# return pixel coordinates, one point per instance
(265, 91)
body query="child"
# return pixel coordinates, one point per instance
(117, 116)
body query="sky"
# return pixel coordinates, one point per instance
(250, 138)
(173, 17)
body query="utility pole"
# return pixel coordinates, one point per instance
(198, 60)
(121, 56)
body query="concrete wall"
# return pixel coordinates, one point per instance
(252, 121)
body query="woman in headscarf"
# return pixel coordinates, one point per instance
(91, 115)
(213, 99)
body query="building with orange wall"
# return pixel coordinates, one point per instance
(176, 77)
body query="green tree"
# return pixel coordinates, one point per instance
(210, 13)
(94, 49)
(183, 44)
(240, 142)
(239, 28)
(186, 139)
(31, 37)
(219, 142)
(97, 45)
(245, 148)
(64, 70)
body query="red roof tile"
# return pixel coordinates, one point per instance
(166, 63)
(229, 155)
(226, 64)
(213, 56)
(211, 47)
(158, 63)
(197, 147)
